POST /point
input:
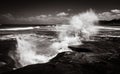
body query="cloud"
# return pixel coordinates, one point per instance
(39, 19)
(69, 10)
(43, 16)
(115, 11)
(62, 14)
(113, 14)
(9, 16)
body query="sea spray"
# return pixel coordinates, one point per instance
(33, 48)
(81, 27)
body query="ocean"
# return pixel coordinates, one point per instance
(35, 44)
(22, 46)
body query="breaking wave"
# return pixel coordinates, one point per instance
(33, 48)
(16, 29)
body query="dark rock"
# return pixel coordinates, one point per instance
(104, 59)
(7, 45)
(102, 46)
(75, 63)
(80, 48)
(97, 47)
(6, 62)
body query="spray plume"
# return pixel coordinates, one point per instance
(32, 49)
(80, 27)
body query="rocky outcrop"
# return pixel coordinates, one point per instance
(6, 62)
(103, 58)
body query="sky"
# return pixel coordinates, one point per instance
(54, 10)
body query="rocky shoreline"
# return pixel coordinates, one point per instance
(100, 57)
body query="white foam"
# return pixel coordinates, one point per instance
(20, 28)
(109, 36)
(108, 28)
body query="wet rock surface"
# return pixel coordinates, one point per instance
(6, 62)
(103, 58)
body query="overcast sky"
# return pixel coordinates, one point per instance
(21, 10)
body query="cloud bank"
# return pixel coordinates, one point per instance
(61, 17)
(110, 15)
